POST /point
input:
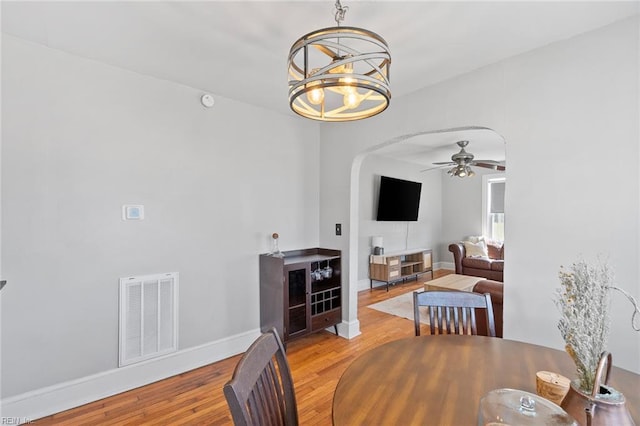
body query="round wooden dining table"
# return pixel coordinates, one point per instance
(439, 380)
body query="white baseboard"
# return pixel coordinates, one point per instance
(364, 284)
(63, 396)
(349, 330)
(444, 265)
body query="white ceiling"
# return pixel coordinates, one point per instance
(425, 149)
(239, 49)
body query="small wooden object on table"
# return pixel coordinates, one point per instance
(453, 282)
(552, 386)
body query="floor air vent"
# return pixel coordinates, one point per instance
(148, 317)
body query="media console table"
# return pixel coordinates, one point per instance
(398, 266)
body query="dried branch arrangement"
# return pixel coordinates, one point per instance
(584, 303)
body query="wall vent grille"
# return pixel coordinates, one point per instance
(148, 317)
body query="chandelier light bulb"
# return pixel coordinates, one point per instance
(315, 96)
(348, 83)
(352, 100)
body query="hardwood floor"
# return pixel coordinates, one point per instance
(196, 398)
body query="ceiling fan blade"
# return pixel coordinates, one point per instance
(445, 163)
(501, 163)
(435, 168)
(490, 165)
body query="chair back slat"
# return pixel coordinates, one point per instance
(274, 402)
(453, 312)
(456, 321)
(266, 394)
(472, 322)
(465, 320)
(261, 390)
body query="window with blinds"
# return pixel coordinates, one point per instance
(493, 213)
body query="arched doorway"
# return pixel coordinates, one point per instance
(431, 140)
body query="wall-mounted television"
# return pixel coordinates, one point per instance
(399, 200)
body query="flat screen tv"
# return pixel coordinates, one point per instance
(399, 200)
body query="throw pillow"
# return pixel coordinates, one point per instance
(478, 249)
(475, 239)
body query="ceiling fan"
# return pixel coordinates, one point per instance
(463, 160)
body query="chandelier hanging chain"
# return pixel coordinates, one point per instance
(340, 12)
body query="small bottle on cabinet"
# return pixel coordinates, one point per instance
(275, 250)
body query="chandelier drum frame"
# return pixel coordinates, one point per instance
(362, 71)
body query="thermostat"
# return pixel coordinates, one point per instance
(132, 212)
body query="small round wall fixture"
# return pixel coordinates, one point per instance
(339, 73)
(207, 100)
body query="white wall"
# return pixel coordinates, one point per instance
(423, 233)
(569, 113)
(580, 110)
(79, 140)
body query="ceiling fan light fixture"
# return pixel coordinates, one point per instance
(463, 160)
(461, 171)
(342, 71)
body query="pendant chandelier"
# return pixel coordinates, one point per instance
(339, 73)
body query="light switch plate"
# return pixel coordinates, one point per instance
(132, 212)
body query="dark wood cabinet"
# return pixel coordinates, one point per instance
(301, 292)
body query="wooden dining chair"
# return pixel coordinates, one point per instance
(261, 391)
(453, 312)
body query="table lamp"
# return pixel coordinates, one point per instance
(376, 242)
